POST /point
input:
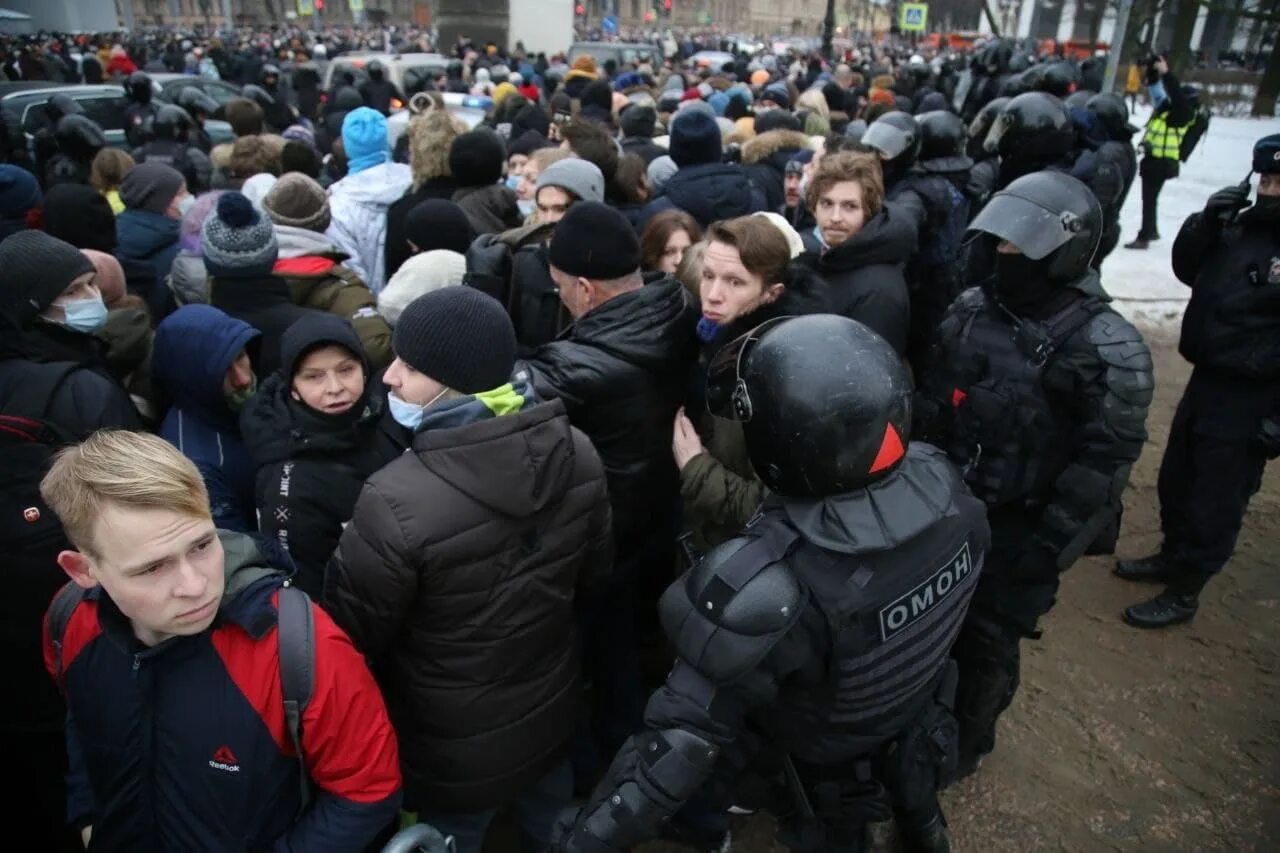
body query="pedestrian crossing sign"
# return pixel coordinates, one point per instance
(914, 17)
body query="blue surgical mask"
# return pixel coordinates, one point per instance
(410, 415)
(527, 207)
(513, 182)
(85, 315)
(185, 206)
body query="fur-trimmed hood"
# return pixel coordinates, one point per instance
(771, 142)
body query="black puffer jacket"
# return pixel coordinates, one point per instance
(708, 193)
(621, 371)
(456, 577)
(865, 274)
(311, 466)
(265, 304)
(513, 267)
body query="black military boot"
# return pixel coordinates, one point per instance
(928, 838)
(1153, 568)
(1167, 608)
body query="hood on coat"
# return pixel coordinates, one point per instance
(377, 186)
(140, 233)
(193, 349)
(888, 238)
(295, 242)
(516, 464)
(651, 327)
(772, 142)
(712, 191)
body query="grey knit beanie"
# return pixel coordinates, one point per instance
(237, 241)
(150, 186)
(298, 200)
(580, 177)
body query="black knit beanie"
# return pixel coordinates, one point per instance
(476, 158)
(531, 117)
(459, 337)
(439, 224)
(80, 215)
(695, 139)
(594, 241)
(638, 120)
(37, 268)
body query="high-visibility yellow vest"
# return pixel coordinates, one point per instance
(1165, 142)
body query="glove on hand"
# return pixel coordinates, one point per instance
(1227, 201)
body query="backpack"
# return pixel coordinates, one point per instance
(30, 538)
(1197, 127)
(296, 634)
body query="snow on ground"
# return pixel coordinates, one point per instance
(1142, 282)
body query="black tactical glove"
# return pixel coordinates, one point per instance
(1227, 201)
(1268, 438)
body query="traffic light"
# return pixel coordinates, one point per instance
(319, 5)
(666, 7)
(580, 10)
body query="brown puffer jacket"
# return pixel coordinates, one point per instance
(456, 577)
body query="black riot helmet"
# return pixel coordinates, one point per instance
(824, 402)
(79, 137)
(171, 122)
(196, 103)
(376, 71)
(1034, 127)
(1079, 99)
(268, 72)
(62, 105)
(943, 140)
(1059, 78)
(896, 136)
(981, 125)
(139, 85)
(347, 99)
(258, 95)
(1051, 217)
(453, 69)
(1113, 115)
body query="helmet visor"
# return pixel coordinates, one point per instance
(727, 393)
(1035, 230)
(885, 138)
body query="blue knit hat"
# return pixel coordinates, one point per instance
(364, 139)
(237, 241)
(19, 192)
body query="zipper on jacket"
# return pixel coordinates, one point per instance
(146, 741)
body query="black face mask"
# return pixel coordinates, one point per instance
(1020, 285)
(1267, 208)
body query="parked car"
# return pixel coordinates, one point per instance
(410, 72)
(22, 104)
(471, 109)
(168, 86)
(622, 53)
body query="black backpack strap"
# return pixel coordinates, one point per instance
(296, 630)
(60, 610)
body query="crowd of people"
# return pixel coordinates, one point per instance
(675, 442)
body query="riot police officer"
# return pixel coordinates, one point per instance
(171, 146)
(1039, 390)
(1113, 116)
(939, 208)
(199, 107)
(141, 109)
(378, 91)
(802, 645)
(79, 139)
(1228, 423)
(276, 114)
(985, 171)
(44, 144)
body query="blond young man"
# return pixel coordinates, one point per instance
(169, 662)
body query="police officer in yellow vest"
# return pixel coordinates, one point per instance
(1161, 143)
